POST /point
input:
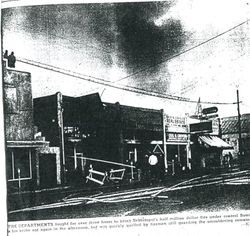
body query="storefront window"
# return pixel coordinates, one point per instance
(19, 163)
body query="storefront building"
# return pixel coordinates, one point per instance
(230, 133)
(85, 128)
(207, 144)
(22, 148)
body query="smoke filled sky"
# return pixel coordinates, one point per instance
(113, 40)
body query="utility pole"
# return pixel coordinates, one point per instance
(61, 134)
(164, 141)
(239, 128)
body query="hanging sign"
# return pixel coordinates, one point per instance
(201, 127)
(209, 110)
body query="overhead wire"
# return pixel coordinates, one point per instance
(99, 80)
(131, 88)
(185, 51)
(194, 84)
(190, 86)
(110, 84)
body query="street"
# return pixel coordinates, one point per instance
(226, 191)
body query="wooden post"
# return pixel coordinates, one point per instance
(13, 164)
(135, 155)
(82, 165)
(173, 171)
(19, 179)
(61, 132)
(178, 153)
(37, 169)
(239, 128)
(188, 147)
(75, 160)
(164, 141)
(132, 171)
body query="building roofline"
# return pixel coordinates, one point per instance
(133, 107)
(235, 117)
(13, 68)
(51, 95)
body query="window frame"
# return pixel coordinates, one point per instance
(13, 167)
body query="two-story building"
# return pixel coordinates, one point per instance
(85, 127)
(24, 152)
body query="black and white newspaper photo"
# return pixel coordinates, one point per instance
(125, 117)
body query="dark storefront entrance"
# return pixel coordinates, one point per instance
(177, 156)
(47, 170)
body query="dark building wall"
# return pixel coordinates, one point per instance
(124, 123)
(136, 117)
(46, 119)
(81, 113)
(18, 111)
(102, 127)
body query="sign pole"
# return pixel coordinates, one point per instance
(164, 141)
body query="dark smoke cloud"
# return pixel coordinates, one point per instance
(74, 21)
(123, 29)
(141, 42)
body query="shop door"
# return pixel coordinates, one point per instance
(177, 155)
(47, 170)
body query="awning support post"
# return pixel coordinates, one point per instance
(75, 160)
(132, 171)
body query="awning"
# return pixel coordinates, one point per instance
(214, 141)
(27, 144)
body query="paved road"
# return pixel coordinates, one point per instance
(228, 191)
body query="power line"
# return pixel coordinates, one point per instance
(140, 90)
(195, 83)
(95, 79)
(99, 80)
(185, 51)
(110, 84)
(176, 55)
(5, 1)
